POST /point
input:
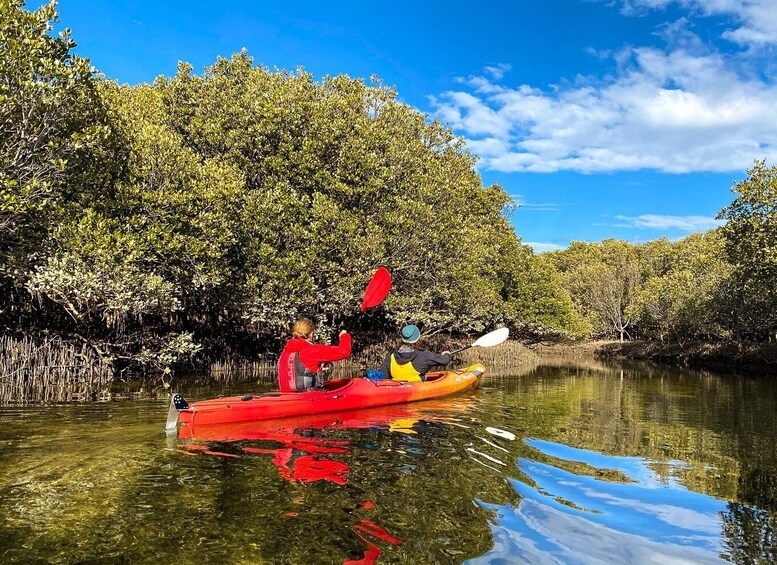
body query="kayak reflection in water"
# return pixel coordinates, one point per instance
(409, 363)
(299, 368)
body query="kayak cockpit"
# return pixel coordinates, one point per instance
(335, 384)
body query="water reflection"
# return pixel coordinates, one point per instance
(302, 453)
(577, 518)
(582, 462)
(299, 456)
(302, 442)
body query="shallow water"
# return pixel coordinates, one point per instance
(569, 462)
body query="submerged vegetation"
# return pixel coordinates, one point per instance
(195, 217)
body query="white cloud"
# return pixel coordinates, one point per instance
(682, 109)
(540, 247)
(521, 202)
(663, 222)
(755, 21)
(498, 71)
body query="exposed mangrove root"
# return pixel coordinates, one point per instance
(50, 371)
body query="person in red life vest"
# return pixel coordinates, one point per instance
(299, 367)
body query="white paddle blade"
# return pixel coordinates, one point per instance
(492, 338)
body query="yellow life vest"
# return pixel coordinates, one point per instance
(404, 372)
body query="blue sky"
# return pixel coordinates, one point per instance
(612, 118)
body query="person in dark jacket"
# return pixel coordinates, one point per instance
(299, 367)
(408, 363)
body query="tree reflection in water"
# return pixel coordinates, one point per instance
(577, 461)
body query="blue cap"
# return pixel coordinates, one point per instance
(410, 334)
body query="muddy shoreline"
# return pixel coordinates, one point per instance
(729, 356)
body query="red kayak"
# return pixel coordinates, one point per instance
(336, 395)
(397, 418)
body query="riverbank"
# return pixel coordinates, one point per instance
(56, 371)
(736, 356)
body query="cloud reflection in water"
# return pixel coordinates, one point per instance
(564, 517)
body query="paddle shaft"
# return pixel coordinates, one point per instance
(351, 321)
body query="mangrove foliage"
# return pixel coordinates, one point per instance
(197, 216)
(209, 210)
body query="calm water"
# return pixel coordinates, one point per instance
(565, 463)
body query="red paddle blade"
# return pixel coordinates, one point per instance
(377, 290)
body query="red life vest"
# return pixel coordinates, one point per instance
(291, 371)
(296, 375)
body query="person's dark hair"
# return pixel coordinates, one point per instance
(418, 345)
